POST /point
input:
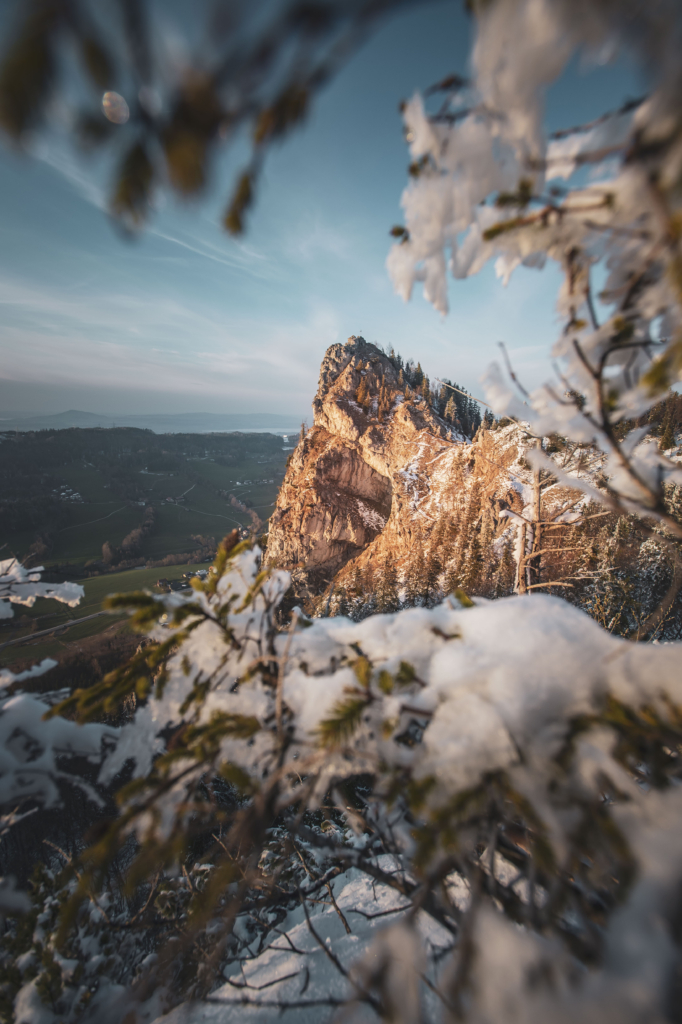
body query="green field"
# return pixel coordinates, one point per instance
(202, 513)
(120, 472)
(51, 613)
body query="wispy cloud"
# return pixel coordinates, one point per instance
(140, 343)
(238, 258)
(316, 238)
(57, 155)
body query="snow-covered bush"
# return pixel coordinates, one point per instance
(476, 805)
(35, 754)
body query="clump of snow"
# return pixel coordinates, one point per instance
(22, 586)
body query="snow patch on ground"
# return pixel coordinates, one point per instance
(294, 972)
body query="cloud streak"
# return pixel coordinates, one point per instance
(141, 344)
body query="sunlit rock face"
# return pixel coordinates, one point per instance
(385, 478)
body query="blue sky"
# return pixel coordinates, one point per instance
(185, 319)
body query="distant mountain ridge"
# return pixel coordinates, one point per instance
(159, 423)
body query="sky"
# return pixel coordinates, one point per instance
(185, 319)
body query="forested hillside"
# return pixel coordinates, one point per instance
(65, 494)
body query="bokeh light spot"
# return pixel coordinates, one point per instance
(115, 107)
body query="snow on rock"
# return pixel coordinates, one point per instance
(370, 516)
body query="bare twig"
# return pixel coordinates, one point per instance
(279, 705)
(510, 371)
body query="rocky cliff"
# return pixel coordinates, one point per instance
(381, 477)
(385, 502)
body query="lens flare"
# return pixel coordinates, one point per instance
(115, 108)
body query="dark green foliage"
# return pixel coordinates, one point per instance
(345, 718)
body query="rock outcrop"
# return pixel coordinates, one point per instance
(383, 479)
(386, 502)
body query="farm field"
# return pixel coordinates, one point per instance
(47, 614)
(64, 494)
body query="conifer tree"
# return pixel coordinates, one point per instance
(434, 567)
(341, 604)
(415, 580)
(486, 539)
(452, 577)
(471, 563)
(667, 437)
(355, 581)
(505, 573)
(438, 536)
(387, 590)
(369, 580)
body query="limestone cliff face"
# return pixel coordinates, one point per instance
(381, 476)
(385, 503)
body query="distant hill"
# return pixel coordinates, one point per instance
(160, 423)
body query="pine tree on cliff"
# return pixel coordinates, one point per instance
(452, 578)
(340, 604)
(355, 581)
(506, 571)
(450, 412)
(434, 568)
(472, 563)
(362, 394)
(487, 536)
(415, 580)
(371, 580)
(469, 561)
(438, 536)
(387, 590)
(452, 549)
(667, 437)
